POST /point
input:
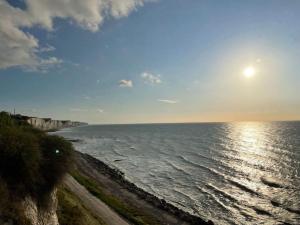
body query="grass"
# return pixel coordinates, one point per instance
(71, 211)
(131, 213)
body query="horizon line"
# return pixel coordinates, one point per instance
(198, 122)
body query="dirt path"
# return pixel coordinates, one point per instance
(97, 207)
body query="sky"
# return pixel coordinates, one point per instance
(139, 61)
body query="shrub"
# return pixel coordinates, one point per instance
(19, 159)
(57, 159)
(10, 208)
(31, 162)
(5, 120)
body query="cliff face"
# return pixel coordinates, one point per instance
(33, 213)
(49, 124)
(41, 216)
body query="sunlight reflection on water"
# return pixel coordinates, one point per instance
(252, 147)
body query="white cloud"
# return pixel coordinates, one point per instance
(87, 97)
(168, 101)
(47, 48)
(100, 110)
(151, 78)
(51, 60)
(16, 46)
(125, 83)
(44, 65)
(21, 48)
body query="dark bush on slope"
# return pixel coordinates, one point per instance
(57, 159)
(31, 162)
(20, 157)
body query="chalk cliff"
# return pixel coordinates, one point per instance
(41, 216)
(49, 124)
(34, 213)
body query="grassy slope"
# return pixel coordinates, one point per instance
(33, 163)
(71, 212)
(131, 213)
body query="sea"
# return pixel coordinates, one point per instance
(230, 173)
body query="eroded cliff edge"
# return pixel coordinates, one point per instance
(33, 214)
(48, 124)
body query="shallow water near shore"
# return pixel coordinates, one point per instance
(230, 173)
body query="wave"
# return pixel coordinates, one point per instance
(179, 169)
(243, 187)
(208, 193)
(273, 182)
(192, 200)
(118, 153)
(223, 193)
(229, 210)
(222, 176)
(237, 164)
(261, 211)
(215, 172)
(293, 210)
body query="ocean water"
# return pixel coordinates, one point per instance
(231, 173)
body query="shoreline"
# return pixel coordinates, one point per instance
(96, 169)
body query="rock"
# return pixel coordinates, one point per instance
(41, 215)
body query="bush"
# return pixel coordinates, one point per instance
(57, 159)
(19, 159)
(10, 208)
(5, 120)
(31, 162)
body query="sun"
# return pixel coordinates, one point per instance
(249, 71)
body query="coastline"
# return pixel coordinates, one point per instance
(114, 183)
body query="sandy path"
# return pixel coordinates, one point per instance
(97, 207)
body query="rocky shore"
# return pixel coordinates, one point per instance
(96, 169)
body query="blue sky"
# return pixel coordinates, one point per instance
(162, 61)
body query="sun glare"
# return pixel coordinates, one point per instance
(249, 72)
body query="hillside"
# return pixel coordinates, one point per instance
(32, 167)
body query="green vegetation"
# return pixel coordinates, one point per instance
(32, 163)
(131, 213)
(19, 159)
(72, 212)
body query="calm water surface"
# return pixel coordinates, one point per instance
(231, 173)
